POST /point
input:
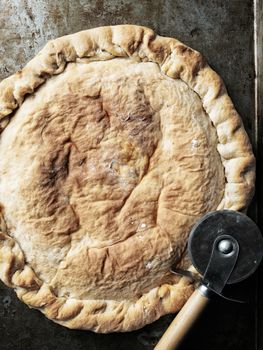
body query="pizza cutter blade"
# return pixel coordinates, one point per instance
(225, 247)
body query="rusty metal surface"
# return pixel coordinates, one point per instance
(223, 32)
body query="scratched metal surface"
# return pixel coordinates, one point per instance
(223, 32)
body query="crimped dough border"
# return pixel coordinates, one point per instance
(176, 61)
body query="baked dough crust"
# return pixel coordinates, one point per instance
(135, 297)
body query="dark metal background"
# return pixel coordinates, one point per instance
(223, 31)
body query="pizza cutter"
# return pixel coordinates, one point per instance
(225, 247)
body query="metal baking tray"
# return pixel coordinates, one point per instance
(224, 32)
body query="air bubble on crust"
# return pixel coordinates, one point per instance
(63, 265)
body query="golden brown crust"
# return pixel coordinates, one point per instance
(176, 61)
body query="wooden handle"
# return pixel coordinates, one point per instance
(183, 322)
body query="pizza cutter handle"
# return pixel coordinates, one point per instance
(184, 320)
